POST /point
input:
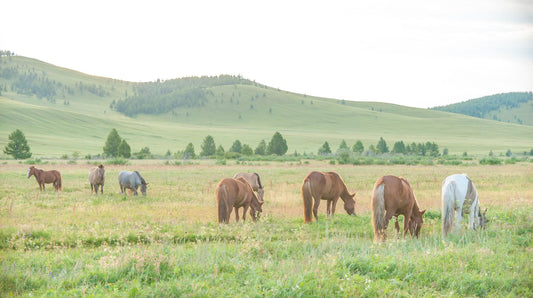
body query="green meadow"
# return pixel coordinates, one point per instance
(170, 244)
(79, 118)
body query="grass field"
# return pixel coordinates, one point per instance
(170, 244)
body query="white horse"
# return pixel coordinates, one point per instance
(459, 197)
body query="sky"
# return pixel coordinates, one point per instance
(413, 53)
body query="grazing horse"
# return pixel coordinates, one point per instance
(235, 193)
(325, 186)
(393, 196)
(459, 195)
(255, 183)
(97, 178)
(131, 180)
(43, 177)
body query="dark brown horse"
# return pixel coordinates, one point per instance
(393, 196)
(43, 177)
(97, 178)
(325, 186)
(235, 193)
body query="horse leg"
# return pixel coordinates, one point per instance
(101, 189)
(328, 212)
(244, 212)
(458, 219)
(236, 213)
(135, 191)
(315, 208)
(397, 226)
(334, 206)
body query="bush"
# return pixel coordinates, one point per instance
(490, 161)
(117, 161)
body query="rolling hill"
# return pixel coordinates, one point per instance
(513, 107)
(62, 111)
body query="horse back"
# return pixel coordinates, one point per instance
(398, 193)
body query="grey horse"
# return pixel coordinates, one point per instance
(131, 180)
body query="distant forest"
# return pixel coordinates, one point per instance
(163, 96)
(481, 107)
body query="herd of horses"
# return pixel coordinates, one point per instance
(391, 197)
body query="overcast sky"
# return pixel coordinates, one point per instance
(414, 53)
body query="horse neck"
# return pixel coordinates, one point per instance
(345, 195)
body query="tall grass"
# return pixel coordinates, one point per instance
(169, 243)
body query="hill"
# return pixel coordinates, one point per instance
(513, 107)
(62, 111)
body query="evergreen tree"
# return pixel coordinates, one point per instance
(112, 143)
(247, 150)
(189, 152)
(382, 146)
(124, 149)
(236, 147)
(358, 147)
(343, 146)
(325, 149)
(219, 151)
(17, 146)
(208, 146)
(399, 147)
(261, 148)
(278, 145)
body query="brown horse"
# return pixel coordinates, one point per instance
(325, 186)
(255, 183)
(43, 177)
(393, 196)
(236, 193)
(97, 178)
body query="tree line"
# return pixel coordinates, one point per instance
(481, 107)
(162, 96)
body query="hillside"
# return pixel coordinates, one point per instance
(62, 111)
(513, 107)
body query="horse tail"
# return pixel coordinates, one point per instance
(59, 185)
(258, 180)
(378, 211)
(222, 195)
(308, 201)
(448, 201)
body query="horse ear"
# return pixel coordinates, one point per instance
(485, 212)
(261, 203)
(422, 212)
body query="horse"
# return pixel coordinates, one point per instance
(131, 180)
(325, 186)
(393, 196)
(97, 178)
(43, 177)
(236, 193)
(459, 195)
(255, 183)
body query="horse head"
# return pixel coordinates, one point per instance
(415, 223)
(143, 187)
(101, 170)
(256, 207)
(31, 171)
(349, 204)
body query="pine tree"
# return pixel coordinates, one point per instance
(112, 143)
(358, 147)
(124, 149)
(208, 146)
(236, 147)
(325, 149)
(17, 146)
(278, 145)
(261, 148)
(382, 146)
(189, 152)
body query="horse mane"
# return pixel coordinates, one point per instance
(140, 177)
(258, 180)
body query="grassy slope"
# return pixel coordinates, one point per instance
(305, 121)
